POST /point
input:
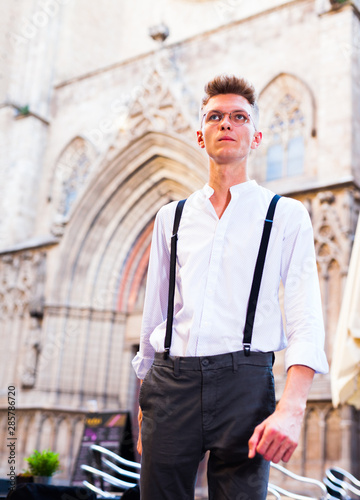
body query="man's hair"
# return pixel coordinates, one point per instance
(230, 84)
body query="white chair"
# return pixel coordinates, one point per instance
(104, 451)
(323, 494)
(99, 492)
(343, 483)
(335, 491)
(93, 474)
(123, 479)
(272, 492)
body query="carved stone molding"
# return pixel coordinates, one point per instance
(15, 284)
(22, 280)
(22, 286)
(331, 230)
(326, 197)
(154, 108)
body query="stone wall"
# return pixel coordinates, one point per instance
(99, 124)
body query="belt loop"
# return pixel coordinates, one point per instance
(177, 366)
(234, 362)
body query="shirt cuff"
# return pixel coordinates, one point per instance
(306, 354)
(141, 365)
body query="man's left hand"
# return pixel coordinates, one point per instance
(277, 436)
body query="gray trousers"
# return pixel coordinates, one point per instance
(194, 404)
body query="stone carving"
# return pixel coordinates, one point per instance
(71, 174)
(16, 273)
(21, 291)
(154, 108)
(326, 197)
(36, 311)
(331, 238)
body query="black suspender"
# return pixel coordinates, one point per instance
(172, 277)
(255, 287)
(259, 267)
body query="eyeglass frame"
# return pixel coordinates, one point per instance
(231, 112)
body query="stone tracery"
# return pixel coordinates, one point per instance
(71, 174)
(288, 125)
(154, 108)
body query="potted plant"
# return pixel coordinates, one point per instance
(42, 465)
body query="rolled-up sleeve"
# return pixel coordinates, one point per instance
(302, 301)
(155, 304)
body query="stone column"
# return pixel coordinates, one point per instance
(346, 425)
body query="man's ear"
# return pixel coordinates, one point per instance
(200, 138)
(256, 140)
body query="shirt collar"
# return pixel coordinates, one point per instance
(241, 188)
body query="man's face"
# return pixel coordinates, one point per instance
(223, 140)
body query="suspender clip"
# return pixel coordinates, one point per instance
(166, 352)
(247, 349)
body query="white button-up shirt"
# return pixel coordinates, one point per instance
(215, 266)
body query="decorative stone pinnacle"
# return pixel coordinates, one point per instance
(159, 32)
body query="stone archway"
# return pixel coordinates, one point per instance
(102, 260)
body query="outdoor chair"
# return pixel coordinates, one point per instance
(121, 478)
(344, 484)
(273, 493)
(95, 475)
(100, 450)
(335, 491)
(99, 492)
(323, 494)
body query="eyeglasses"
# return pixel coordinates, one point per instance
(238, 118)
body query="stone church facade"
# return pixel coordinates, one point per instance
(98, 126)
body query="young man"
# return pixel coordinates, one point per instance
(213, 392)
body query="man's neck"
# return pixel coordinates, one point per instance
(221, 178)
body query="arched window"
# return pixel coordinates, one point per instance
(288, 121)
(71, 173)
(286, 150)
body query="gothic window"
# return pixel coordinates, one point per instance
(75, 172)
(285, 153)
(71, 173)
